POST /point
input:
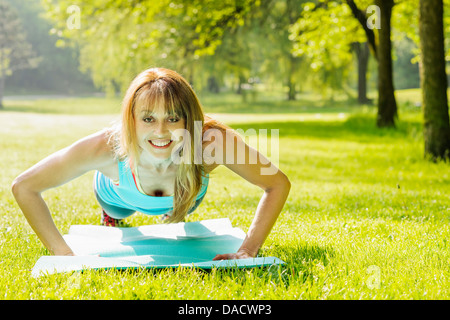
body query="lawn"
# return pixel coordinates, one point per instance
(367, 217)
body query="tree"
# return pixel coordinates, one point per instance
(324, 35)
(362, 50)
(362, 54)
(290, 13)
(434, 80)
(234, 55)
(120, 38)
(335, 31)
(58, 70)
(15, 52)
(387, 106)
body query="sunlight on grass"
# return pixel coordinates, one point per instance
(367, 217)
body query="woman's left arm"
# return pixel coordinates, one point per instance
(258, 170)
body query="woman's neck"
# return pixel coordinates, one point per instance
(148, 162)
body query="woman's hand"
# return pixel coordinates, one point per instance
(231, 256)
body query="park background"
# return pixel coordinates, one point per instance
(361, 141)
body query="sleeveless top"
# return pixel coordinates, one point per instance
(125, 193)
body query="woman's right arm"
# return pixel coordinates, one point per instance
(90, 153)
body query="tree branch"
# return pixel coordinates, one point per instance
(361, 17)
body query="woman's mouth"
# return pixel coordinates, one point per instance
(160, 144)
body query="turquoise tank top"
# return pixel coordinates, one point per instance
(126, 194)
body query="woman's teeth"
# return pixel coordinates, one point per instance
(160, 143)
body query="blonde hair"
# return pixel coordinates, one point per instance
(159, 86)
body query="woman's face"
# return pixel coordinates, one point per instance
(155, 131)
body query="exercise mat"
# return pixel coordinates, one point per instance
(190, 244)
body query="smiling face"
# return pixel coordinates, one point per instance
(159, 106)
(156, 131)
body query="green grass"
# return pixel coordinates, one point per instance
(363, 203)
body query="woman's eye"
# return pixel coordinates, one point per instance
(148, 119)
(174, 119)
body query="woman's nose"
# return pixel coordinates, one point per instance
(161, 129)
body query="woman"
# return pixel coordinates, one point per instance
(149, 163)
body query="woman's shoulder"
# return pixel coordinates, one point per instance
(97, 147)
(218, 139)
(98, 150)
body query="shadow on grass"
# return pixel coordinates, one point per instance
(69, 105)
(302, 264)
(31, 109)
(356, 127)
(303, 105)
(359, 126)
(222, 103)
(303, 253)
(301, 260)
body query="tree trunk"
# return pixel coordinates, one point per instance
(2, 88)
(291, 92)
(387, 106)
(290, 78)
(241, 81)
(362, 19)
(291, 11)
(362, 53)
(434, 80)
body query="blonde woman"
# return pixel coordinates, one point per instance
(149, 163)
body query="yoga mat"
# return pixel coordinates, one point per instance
(191, 244)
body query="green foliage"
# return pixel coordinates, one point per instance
(281, 42)
(319, 35)
(260, 50)
(15, 52)
(58, 68)
(324, 35)
(326, 30)
(405, 21)
(119, 39)
(406, 73)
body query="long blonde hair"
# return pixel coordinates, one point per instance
(159, 86)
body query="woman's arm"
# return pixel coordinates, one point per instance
(86, 154)
(276, 188)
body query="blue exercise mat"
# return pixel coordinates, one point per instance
(191, 244)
